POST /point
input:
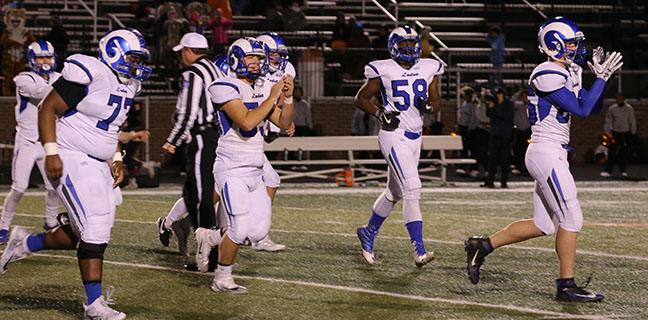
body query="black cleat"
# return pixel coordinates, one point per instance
(567, 290)
(164, 234)
(477, 248)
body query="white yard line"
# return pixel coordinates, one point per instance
(551, 250)
(508, 307)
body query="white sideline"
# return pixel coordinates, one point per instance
(585, 252)
(553, 315)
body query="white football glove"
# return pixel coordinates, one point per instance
(604, 65)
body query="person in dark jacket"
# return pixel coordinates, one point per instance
(501, 114)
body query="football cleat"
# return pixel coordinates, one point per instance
(423, 259)
(16, 248)
(567, 290)
(267, 245)
(366, 238)
(99, 309)
(475, 253)
(4, 236)
(226, 284)
(182, 230)
(164, 234)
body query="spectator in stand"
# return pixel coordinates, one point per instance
(58, 37)
(302, 115)
(466, 124)
(621, 123)
(174, 27)
(226, 7)
(133, 130)
(521, 130)
(380, 43)
(481, 134)
(496, 39)
(219, 25)
(426, 46)
(358, 56)
(294, 18)
(341, 33)
(500, 111)
(274, 18)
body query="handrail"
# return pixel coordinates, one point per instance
(389, 15)
(112, 17)
(534, 8)
(94, 17)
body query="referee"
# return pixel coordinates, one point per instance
(194, 125)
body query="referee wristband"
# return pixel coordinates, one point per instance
(117, 157)
(50, 148)
(288, 100)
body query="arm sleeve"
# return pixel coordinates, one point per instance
(186, 108)
(74, 70)
(222, 92)
(27, 87)
(71, 92)
(581, 106)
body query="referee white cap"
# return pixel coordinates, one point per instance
(192, 40)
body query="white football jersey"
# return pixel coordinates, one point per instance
(401, 88)
(238, 148)
(548, 122)
(31, 88)
(274, 78)
(93, 126)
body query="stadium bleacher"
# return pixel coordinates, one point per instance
(460, 25)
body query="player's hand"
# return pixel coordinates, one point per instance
(289, 85)
(389, 120)
(117, 170)
(423, 106)
(291, 129)
(53, 166)
(169, 148)
(140, 136)
(277, 89)
(604, 69)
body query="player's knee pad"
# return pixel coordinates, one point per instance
(547, 226)
(91, 250)
(392, 196)
(412, 189)
(239, 228)
(18, 188)
(573, 220)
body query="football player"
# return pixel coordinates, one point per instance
(31, 87)
(409, 88)
(83, 157)
(244, 104)
(555, 94)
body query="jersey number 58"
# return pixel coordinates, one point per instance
(419, 88)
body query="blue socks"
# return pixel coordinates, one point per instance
(93, 291)
(374, 223)
(415, 230)
(36, 242)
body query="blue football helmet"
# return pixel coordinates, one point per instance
(555, 34)
(41, 49)
(221, 62)
(407, 54)
(125, 51)
(245, 47)
(276, 51)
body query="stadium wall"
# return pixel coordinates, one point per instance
(333, 117)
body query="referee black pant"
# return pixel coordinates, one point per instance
(198, 191)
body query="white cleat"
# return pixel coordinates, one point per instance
(605, 174)
(226, 284)
(369, 257)
(99, 310)
(16, 248)
(204, 247)
(421, 260)
(267, 245)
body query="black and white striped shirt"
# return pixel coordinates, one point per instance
(194, 107)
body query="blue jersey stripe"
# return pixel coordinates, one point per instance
(374, 69)
(543, 72)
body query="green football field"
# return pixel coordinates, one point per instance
(323, 276)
